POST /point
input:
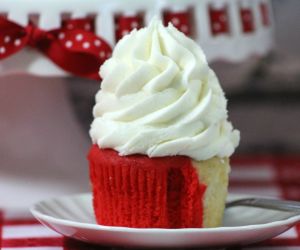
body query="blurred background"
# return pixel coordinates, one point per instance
(263, 93)
(44, 121)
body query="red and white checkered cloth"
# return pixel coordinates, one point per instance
(264, 175)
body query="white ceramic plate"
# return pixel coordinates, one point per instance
(73, 217)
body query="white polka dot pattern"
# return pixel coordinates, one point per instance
(17, 42)
(86, 45)
(7, 39)
(61, 36)
(69, 44)
(79, 37)
(2, 50)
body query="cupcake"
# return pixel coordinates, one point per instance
(161, 138)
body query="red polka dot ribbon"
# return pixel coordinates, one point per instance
(124, 24)
(265, 14)
(181, 20)
(74, 47)
(219, 21)
(247, 20)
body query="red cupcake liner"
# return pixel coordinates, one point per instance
(138, 191)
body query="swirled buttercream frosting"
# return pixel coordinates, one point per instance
(159, 97)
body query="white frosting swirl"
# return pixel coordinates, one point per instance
(160, 98)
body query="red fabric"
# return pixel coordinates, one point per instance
(138, 191)
(32, 242)
(247, 20)
(181, 20)
(219, 21)
(74, 47)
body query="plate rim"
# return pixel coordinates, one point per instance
(65, 222)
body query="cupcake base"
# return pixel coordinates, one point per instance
(138, 191)
(163, 192)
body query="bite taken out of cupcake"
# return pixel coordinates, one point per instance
(161, 138)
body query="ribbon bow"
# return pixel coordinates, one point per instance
(74, 47)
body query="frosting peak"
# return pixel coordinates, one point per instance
(160, 98)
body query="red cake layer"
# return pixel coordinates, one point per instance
(143, 192)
